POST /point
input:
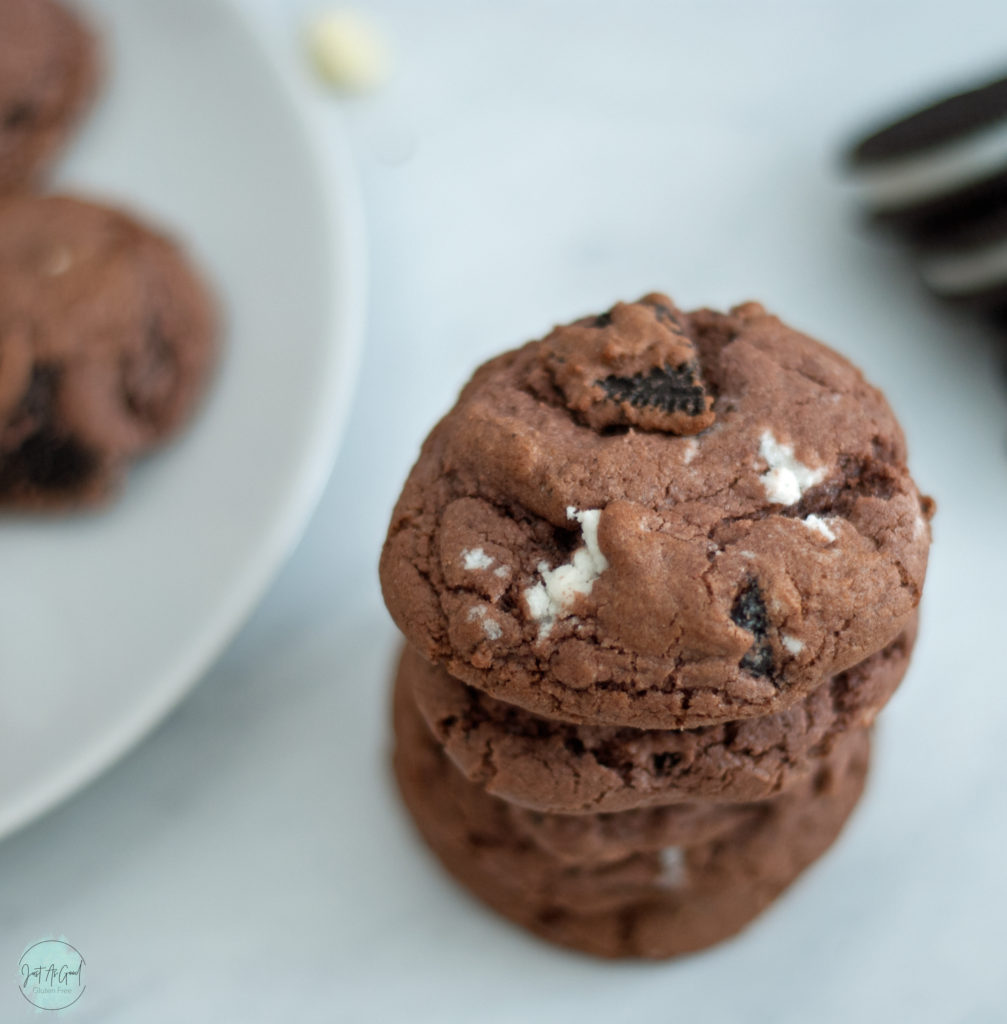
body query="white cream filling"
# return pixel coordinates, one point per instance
(554, 596)
(786, 480)
(921, 176)
(969, 271)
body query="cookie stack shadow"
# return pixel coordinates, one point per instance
(632, 737)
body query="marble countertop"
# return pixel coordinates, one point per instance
(530, 162)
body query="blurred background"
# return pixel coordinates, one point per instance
(524, 164)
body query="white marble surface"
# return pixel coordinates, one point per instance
(533, 161)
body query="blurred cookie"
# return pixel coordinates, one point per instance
(567, 542)
(656, 903)
(552, 766)
(937, 166)
(107, 337)
(48, 74)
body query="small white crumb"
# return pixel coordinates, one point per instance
(490, 626)
(792, 644)
(786, 480)
(503, 571)
(58, 262)
(348, 51)
(691, 449)
(553, 597)
(747, 554)
(476, 558)
(814, 522)
(673, 873)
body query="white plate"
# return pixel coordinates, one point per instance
(106, 620)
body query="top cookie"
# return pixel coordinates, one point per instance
(48, 73)
(571, 546)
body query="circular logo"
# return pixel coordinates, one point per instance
(51, 974)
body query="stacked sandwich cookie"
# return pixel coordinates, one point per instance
(658, 573)
(937, 177)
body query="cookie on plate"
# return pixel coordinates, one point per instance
(48, 74)
(107, 339)
(551, 766)
(659, 519)
(654, 903)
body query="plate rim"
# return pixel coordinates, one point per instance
(345, 303)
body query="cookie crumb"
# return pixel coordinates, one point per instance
(348, 51)
(673, 874)
(787, 479)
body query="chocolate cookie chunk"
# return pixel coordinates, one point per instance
(48, 73)
(646, 904)
(602, 573)
(632, 366)
(555, 767)
(106, 340)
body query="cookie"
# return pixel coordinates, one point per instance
(937, 166)
(555, 767)
(967, 263)
(107, 338)
(559, 556)
(48, 74)
(648, 904)
(586, 837)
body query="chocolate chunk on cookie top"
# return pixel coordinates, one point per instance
(48, 72)
(592, 556)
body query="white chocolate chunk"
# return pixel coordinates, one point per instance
(348, 50)
(475, 558)
(554, 596)
(818, 524)
(490, 626)
(786, 480)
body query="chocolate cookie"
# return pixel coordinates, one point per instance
(48, 73)
(583, 837)
(107, 338)
(649, 904)
(555, 767)
(572, 547)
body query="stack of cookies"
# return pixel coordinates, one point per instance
(659, 572)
